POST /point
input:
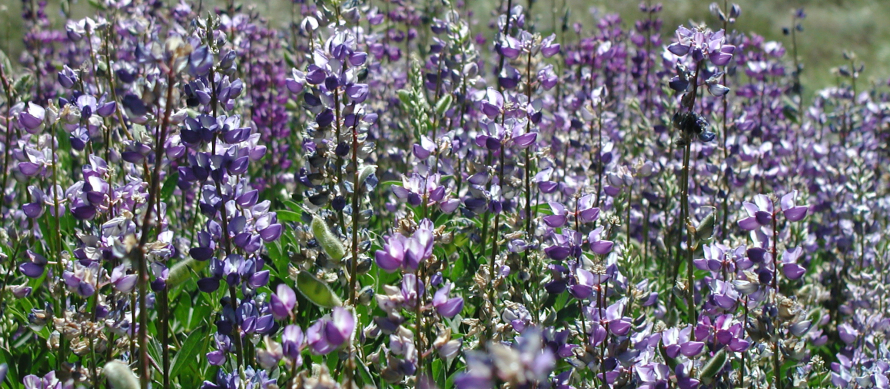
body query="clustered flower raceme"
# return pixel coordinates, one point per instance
(185, 183)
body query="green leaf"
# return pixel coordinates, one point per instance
(195, 344)
(405, 96)
(199, 314)
(276, 252)
(705, 228)
(363, 373)
(714, 365)
(317, 291)
(4, 61)
(12, 373)
(289, 59)
(293, 206)
(365, 173)
(97, 4)
(288, 216)
(169, 186)
(443, 104)
(181, 271)
(390, 183)
(23, 84)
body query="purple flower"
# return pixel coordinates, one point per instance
(559, 216)
(296, 83)
(49, 381)
(269, 357)
(847, 333)
(445, 306)
(548, 47)
(331, 331)
(491, 102)
(416, 188)
(790, 268)
(566, 244)
(122, 281)
(612, 318)
(35, 208)
(760, 213)
(714, 258)
(585, 281)
(724, 330)
(283, 302)
(678, 342)
(653, 375)
(292, 344)
(253, 320)
(792, 213)
(31, 118)
(547, 78)
(684, 381)
(407, 253)
(34, 267)
(478, 374)
(82, 279)
(701, 43)
(509, 47)
(393, 254)
(412, 290)
(598, 246)
(586, 213)
(67, 77)
(723, 294)
(425, 148)
(223, 345)
(496, 135)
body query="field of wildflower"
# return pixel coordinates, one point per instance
(378, 196)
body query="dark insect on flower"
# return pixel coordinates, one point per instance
(692, 124)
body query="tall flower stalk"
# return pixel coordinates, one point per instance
(701, 44)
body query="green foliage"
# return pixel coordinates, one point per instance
(329, 242)
(317, 291)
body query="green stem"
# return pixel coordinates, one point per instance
(684, 207)
(777, 366)
(7, 141)
(356, 205)
(165, 341)
(153, 198)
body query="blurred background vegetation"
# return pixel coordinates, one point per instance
(830, 28)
